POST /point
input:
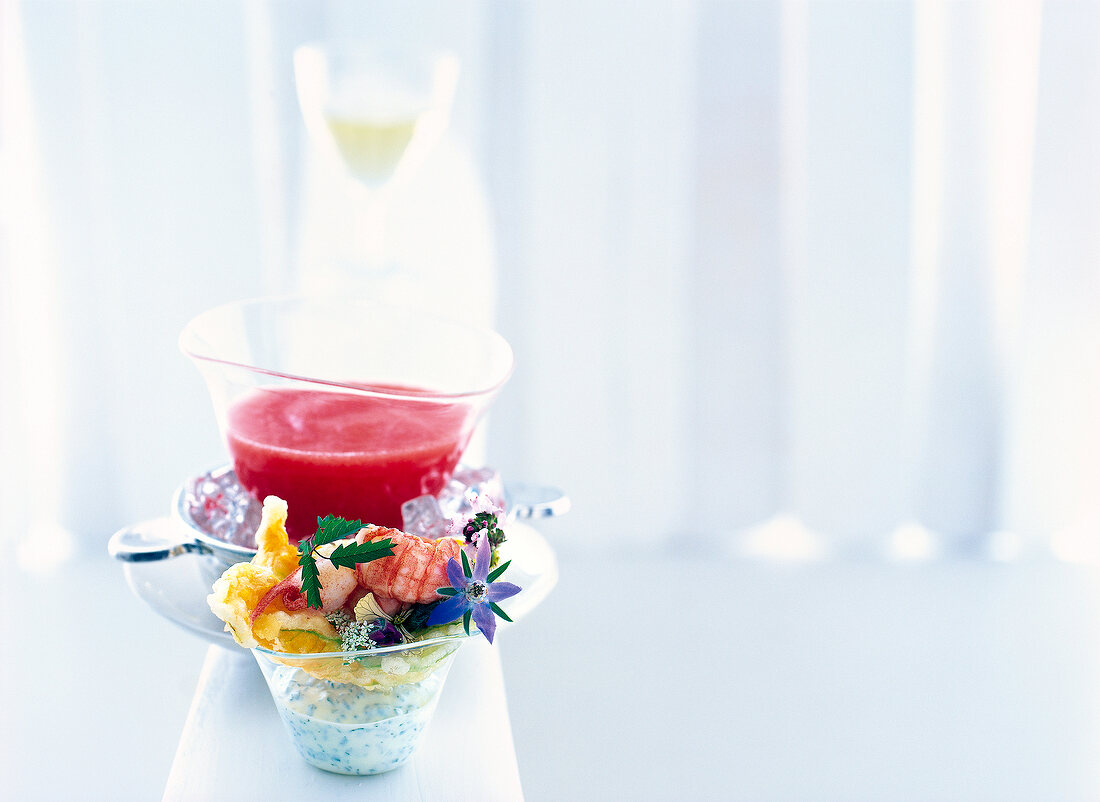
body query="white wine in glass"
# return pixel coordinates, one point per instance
(381, 111)
(371, 149)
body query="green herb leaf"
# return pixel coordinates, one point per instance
(416, 617)
(496, 609)
(330, 528)
(311, 581)
(466, 565)
(446, 591)
(496, 572)
(350, 555)
(466, 621)
(333, 527)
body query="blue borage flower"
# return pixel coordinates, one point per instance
(474, 593)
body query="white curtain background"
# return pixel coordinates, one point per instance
(791, 277)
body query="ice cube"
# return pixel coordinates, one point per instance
(222, 508)
(422, 516)
(466, 484)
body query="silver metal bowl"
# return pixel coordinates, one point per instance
(216, 520)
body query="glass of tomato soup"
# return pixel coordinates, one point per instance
(341, 407)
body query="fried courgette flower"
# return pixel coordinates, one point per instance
(239, 590)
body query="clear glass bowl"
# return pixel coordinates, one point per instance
(343, 407)
(362, 712)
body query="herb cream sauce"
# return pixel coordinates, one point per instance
(348, 729)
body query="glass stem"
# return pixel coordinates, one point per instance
(372, 230)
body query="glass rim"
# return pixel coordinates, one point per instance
(189, 333)
(381, 651)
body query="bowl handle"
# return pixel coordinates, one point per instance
(147, 541)
(534, 501)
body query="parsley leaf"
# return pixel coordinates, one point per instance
(311, 580)
(332, 527)
(346, 555)
(349, 555)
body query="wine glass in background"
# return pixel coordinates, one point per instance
(378, 113)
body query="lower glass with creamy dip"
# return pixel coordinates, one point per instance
(351, 728)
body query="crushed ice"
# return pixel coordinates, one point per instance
(436, 516)
(218, 505)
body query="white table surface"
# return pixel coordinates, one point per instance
(676, 677)
(711, 679)
(234, 746)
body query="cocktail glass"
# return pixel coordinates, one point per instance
(344, 408)
(378, 112)
(358, 712)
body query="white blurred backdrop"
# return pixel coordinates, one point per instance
(794, 278)
(828, 260)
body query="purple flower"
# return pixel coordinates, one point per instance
(482, 508)
(387, 635)
(474, 594)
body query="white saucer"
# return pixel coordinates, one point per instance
(176, 589)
